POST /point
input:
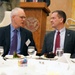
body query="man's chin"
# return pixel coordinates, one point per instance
(22, 25)
(53, 26)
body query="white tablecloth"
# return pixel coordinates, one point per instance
(36, 67)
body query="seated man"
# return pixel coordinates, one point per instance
(66, 37)
(13, 37)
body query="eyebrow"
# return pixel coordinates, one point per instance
(22, 16)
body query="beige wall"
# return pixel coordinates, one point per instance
(65, 5)
(73, 11)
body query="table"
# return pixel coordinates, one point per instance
(36, 67)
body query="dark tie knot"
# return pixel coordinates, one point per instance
(15, 31)
(58, 32)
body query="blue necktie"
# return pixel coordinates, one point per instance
(13, 47)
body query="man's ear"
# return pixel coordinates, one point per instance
(61, 19)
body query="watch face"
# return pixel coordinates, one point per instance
(32, 24)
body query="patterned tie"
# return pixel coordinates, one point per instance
(57, 42)
(13, 47)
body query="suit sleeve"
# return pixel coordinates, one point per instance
(73, 51)
(44, 46)
(1, 36)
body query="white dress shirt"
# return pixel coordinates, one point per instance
(62, 38)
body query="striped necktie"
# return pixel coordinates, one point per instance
(13, 47)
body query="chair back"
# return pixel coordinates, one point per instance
(7, 20)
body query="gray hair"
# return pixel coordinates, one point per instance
(15, 11)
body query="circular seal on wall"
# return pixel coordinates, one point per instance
(32, 24)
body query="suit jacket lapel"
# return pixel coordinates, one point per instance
(67, 35)
(23, 38)
(51, 38)
(7, 37)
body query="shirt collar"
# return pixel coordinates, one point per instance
(12, 28)
(62, 30)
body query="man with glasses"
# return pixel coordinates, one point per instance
(24, 37)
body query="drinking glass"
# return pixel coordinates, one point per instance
(31, 50)
(1, 51)
(59, 52)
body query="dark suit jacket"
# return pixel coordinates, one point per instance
(47, 1)
(69, 43)
(25, 35)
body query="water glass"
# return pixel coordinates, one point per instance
(31, 50)
(1, 50)
(59, 52)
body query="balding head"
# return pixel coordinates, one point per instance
(16, 11)
(18, 17)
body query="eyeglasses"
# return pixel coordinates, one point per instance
(22, 17)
